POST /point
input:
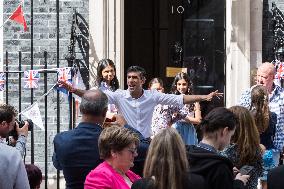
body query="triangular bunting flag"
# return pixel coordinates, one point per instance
(18, 16)
(33, 113)
(77, 82)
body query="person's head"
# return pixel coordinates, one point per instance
(136, 77)
(166, 159)
(265, 75)
(259, 107)
(94, 105)
(118, 146)
(7, 119)
(34, 176)
(246, 135)
(181, 84)
(218, 126)
(106, 72)
(156, 83)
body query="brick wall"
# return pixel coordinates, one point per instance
(44, 39)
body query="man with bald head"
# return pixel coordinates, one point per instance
(265, 77)
(76, 151)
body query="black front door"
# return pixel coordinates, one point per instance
(178, 33)
(146, 35)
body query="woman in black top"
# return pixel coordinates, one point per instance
(166, 165)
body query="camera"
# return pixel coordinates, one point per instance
(14, 133)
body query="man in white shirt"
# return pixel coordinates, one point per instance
(137, 105)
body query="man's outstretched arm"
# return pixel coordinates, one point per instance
(187, 99)
(70, 88)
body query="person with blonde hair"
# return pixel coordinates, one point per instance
(166, 165)
(245, 146)
(118, 148)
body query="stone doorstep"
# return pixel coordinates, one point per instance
(52, 181)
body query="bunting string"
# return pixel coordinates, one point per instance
(39, 99)
(33, 112)
(31, 77)
(39, 70)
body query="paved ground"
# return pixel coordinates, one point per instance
(52, 184)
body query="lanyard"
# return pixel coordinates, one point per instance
(207, 147)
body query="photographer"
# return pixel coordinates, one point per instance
(13, 174)
(9, 126)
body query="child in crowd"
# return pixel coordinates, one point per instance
(34, 175)
(264, 119)
(268, 164)
(188, 115)
(162, 115)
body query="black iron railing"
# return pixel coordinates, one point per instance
(278, 30)
(46, 74)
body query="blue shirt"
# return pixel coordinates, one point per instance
(276, 105)
(138, 112)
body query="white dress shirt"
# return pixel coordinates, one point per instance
(138, 112)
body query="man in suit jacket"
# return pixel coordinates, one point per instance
(76, 151)
(275, 178)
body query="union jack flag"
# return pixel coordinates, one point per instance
(2, 81)
(64, 74)
(280, 71)
(31, 78)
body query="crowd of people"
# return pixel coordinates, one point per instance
(151, 140)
